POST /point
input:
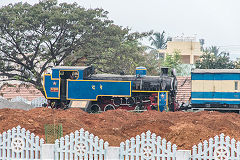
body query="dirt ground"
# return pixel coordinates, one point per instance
(184, 129)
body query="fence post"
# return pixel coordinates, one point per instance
(183, 155)
(113, 153)
(47, 152)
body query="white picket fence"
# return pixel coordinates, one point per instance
(19, 144)
(219, 148)
(20, 99)
(37, 102)
(80, 145)
(148, 147)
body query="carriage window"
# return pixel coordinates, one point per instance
(74, 75)
(62, 75)
(236, 85)
(68, 74)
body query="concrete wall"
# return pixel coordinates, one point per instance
(189, 50)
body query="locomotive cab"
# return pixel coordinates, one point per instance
(55, 84)
(64, 76)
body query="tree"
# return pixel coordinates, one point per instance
(158, 40)
(152, 63)
(36, 37)
(111, 50)
(173, 61)
(212, 49)
(237, 64)
(209, 60)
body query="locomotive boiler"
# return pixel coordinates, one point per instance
(110, 91)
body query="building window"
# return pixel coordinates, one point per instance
(185, 59)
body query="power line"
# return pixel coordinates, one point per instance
(230, 46)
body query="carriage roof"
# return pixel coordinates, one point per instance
(216, 71)
(71, 67)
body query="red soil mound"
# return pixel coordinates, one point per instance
(181, 128)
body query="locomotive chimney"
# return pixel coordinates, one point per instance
(164, 71)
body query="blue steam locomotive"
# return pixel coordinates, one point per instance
(110, 91)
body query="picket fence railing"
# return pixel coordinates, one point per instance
(37, 102)
(20, 99)
(147, 146)
(20, 144)
(80, 145)
(219, 148)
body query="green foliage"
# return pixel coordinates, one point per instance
(173, 61)
(212, 49)
(159, 40)
(36, 37)
(112, 50)
(237, 64)
(157, 60)
(210, 60)
(152, 63)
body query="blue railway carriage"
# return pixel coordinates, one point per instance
(109, 91)
(215, 88)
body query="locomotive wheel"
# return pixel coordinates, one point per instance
(94, 108)
(64, 105)
(117, 101)
(139, 106)
(130, 101)
(154, 108)
(109, 107)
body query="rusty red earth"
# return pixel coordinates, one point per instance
(184, 129)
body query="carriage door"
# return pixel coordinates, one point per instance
(237, 87)
(208, 88)
(64, 75)
(217, 87)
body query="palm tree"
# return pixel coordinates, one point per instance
(212, 49)
(158, 40)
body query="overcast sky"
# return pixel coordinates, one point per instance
(216, 21)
